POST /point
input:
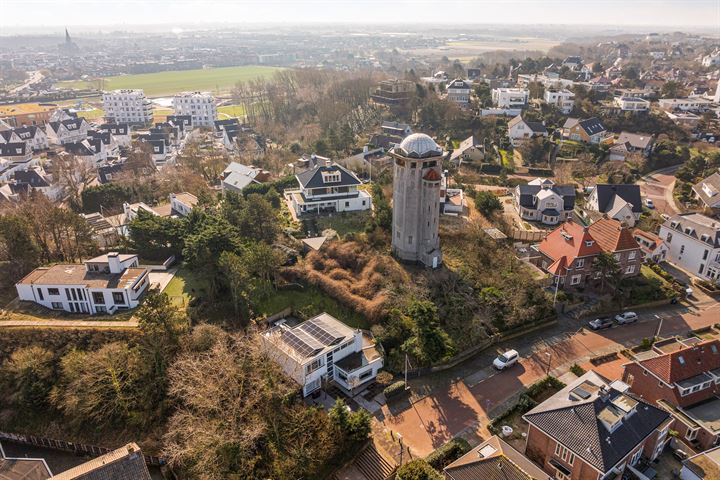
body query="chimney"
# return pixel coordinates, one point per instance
(328, 163)
(114, 262)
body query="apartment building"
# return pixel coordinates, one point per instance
(693, 242)
(127, 106)
(510, 97)
(199, 106)
(563, 100)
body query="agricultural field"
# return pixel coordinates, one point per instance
(157, 84)
(231, 111)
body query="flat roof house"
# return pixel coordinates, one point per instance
(594, 429)
(323, 349)
(684, 382)
(103, 284)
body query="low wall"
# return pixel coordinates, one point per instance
(474, 350)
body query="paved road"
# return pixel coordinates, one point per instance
(462, 400)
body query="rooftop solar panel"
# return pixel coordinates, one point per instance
(321, 332)
(298, 344)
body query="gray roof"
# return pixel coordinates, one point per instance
(629, 192)
(708, 190)
(11, 149)
(700, 226)
(592, 126)
(528, 192)
(313, 178)
(115, 128)
(494, 460)
(32, 177)
(574, 421)
(126, 463)
(26, 133)
(636, 140)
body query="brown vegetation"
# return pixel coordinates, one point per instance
(353, 274)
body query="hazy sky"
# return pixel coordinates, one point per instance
(680, 13)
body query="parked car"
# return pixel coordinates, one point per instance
(626, 317)
(649, 203)
(600, 323)
(506, 360)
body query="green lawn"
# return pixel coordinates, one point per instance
(184, 286)
(507, 161)
(344, 223)
(308, 302)
(168, 83)
(231, 111)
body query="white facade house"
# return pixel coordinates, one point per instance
(104, 284)
(33, 135)
(693, 242)
(510, 97)
(520, 130)
(563, 100)
(543, 201)
(65, 131)
(120, 133)
(238, 176)
(182, 203)
(694, 104)
(328, 188)
(632, 104)
(200, 106)
(711, 60)
(621, 202)
(323, 349)
(127, 106)
(458, 91)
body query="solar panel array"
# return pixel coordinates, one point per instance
(321, 332)
(298, 344)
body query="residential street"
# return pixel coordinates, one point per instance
(658, 186)
(461, 400)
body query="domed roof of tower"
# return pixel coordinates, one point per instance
(418, 145)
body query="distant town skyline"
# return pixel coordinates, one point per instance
(671, 13)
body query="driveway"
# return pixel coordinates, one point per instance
(161, 278)
(463, 399)
(658, 186)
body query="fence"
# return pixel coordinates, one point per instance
(527, 236)
(77, 448)
(163, 267)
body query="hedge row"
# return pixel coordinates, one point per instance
(448, 453)
(394, 389)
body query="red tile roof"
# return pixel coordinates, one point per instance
(697, 359)
(611, 236)
(569, 240)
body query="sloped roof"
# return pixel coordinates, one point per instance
(124, 463)
(611, 236)
(592, 126)
(700, 225)
(575, 421)
(314, 179)
(708, 189)
(18, 149)
(569, 240)
(494, 460)
(636, 140)
(628, 192)
(697, 359)
(527, 192)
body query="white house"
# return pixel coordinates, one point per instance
(452, 200)
(621, 202)
(693, 242)
(200, 106)
(104, 284)
(127, 106)
(92, 151)
(323, 349)
(520, 130)
(652, 246)
(543, 201)
(67, 131)
(510, 97)
(119, 131)
(693, 104)
(458, 91)
(15, 157)
(238, 176)
(711, 60)
(35, 179)
(469, 150)
(563, 100)
(182, 203)
(328, 187)
(707, 191)
(632, 104)
(34, 136)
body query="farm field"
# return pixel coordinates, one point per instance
(168, 83)
(230, 111)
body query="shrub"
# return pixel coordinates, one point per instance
(394, 390)
(646, 343)
(577, 369)
(448, 453)
(417, 469)
(384, 378)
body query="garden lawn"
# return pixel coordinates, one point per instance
(184, 286)
(309, 301)
(231, 111)
(506, 161)
(344, 223)
(168, 83)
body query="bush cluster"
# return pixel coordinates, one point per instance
(448, 453)
(394, 389)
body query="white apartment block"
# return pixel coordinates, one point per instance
(200, 106)
(104, 284)
(510, 97)
(684, 104)
(323, 349)
(127, 106)
(632, 104)
(693, 242)
(563, 100)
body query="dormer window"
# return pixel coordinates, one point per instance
(566, 236)
(689, 230)
(331, 176)
(673, 224)
(589, 243)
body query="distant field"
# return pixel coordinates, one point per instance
(231, 111)
(520, 43)
(167, 83)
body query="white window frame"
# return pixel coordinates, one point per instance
(630, 269)
(575, 279)
(579, 263)
(691, 434)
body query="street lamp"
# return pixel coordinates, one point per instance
(549, 355)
